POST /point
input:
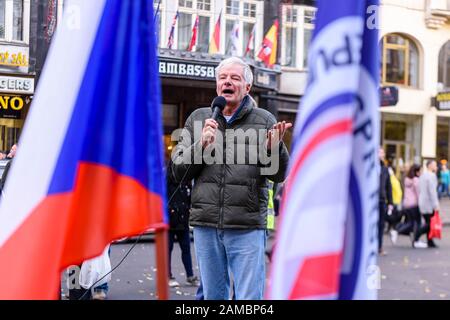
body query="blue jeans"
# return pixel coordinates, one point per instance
(443, 190)
(241, 252)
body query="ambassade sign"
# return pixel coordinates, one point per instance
(21, 85)
(188, 70)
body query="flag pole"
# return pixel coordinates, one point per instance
(162, 257)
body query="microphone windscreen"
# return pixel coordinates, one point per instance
(219, 102)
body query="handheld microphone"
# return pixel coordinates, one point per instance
(217, 107)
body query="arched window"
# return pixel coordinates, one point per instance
(444, 65)
(400, 61)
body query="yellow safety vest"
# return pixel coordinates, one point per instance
(270, 208)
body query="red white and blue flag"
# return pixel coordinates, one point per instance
(327, 240)
(193, 41)
(172, 31)
(90, 165)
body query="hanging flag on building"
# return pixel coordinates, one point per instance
(327, 238)
(193, 41)
(214, 45)
(235, 42)
(268, 52)
(172, 31)
(251, 42)
(89, 168)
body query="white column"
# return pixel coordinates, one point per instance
(429, 131)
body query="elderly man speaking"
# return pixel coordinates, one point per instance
(230, 194)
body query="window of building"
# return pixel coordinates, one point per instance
(249, 9)
(243, 15)
(13, 15)
(444, 66)
(233, 7)
(296, 34)
(18, 20)
(185, 3)
(400, 61)
(188, 12)
(203, 34)
(2, 19)
(204, 5)
(184, 30)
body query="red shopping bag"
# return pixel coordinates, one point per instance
(435, 226)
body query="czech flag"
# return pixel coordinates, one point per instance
(90, 165)
(268, 52)
(326, 245)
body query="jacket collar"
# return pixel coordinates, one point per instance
(246, 106)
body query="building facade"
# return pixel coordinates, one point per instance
(16, 76)
(415, 61)
(415, 58)
(26, 30)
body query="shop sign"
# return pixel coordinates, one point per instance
(187, 70)
(388, 96)
(265, 79)
(11, 106)
(14, 58)
(443, 101)
(16, 85)
(51, 19)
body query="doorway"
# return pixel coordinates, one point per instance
(9, 133)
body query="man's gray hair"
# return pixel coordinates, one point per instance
(248, 75)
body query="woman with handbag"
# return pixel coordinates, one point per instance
(411, 211)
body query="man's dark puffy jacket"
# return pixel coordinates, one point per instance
(224, 195)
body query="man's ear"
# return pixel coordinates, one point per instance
(248, 87)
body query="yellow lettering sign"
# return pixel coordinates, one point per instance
(4, 102)
(17, 103)
(13, 60)
(443, 97)
(11, 102)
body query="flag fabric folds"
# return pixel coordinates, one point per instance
(89, 168)
(268, 51)
(193, 41)
(251, 42)
(214, 45)
(172, 31)
(236, 48)
(327, 238)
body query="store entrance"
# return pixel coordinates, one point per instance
(9, 133)
(442, 139)
(401, 141)
(398, 154)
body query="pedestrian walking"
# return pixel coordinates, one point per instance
(428, 202)
(395, 216)
(230, 198)
(412, 222)
(444, 180)
(179, 207)
(385, 199)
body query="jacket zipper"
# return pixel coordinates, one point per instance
(222, 179)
